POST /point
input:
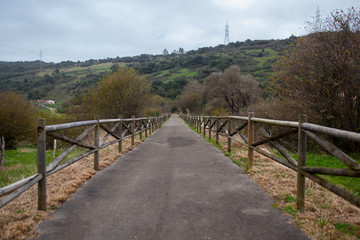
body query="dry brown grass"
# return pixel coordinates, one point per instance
(20, 217)
(323, 208)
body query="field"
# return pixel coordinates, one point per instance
(183, 72)
(22, 163)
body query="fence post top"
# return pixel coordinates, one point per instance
(41, 125)
(40, 120)
(302, 118)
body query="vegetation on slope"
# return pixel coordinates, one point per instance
(167, 73)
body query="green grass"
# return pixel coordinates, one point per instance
(19, 164)
(290, 209)
(163, 73)
(348, 229)
(349, 183)
(327, 161)
(101, 66)
(185, 72)
(22, 163)
(288, 198)
(83, 71)
(268, 54)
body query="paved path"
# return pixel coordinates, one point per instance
(173, 186)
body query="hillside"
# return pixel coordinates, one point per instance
(168, 73)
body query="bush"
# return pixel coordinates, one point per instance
(17, 119)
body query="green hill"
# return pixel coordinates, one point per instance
(168, 73)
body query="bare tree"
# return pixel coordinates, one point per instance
(190, 100)
(320, 75)
(237, 90)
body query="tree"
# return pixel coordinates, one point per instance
(124, 92)
(181, 51)
(17, 119)
(237, 90)
(190, 101)
(320, 75)
(115, 67)
(158, 105)
(165, 52)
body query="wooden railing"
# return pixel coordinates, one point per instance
(119, 129)
(258, 134)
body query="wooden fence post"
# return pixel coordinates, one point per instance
(2, 151)
(197, 124)
(300, 192)
(150, 126)
(120, 134)
(146, 127)
(210, 123)
(200, 124)
(141, 129)
(54, 149)
(133, 131)
(154, 125)
(96, 141)
(217, 129)
(229, 132)
(41, 163)
(204, 132)
(251, 136)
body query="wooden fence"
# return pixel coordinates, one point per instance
(119, 129)
(258, 134)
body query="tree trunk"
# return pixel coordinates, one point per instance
(2, 151)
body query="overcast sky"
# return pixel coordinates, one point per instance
(84, 29)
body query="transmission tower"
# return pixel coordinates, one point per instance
(226, 41)
(40, 59)
(318, 24)
(40, 56)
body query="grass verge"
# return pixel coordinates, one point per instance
(326, 216)
(20, 217)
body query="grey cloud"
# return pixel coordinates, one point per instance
(84, 29)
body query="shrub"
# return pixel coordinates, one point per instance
(17, 119)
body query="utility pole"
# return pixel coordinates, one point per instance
(226, 41)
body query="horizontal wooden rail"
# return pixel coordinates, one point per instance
(352, 136)
(230, 126)
(120, 130)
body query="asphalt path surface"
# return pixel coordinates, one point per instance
(175, 185)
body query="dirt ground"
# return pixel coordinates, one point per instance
(19, 218)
